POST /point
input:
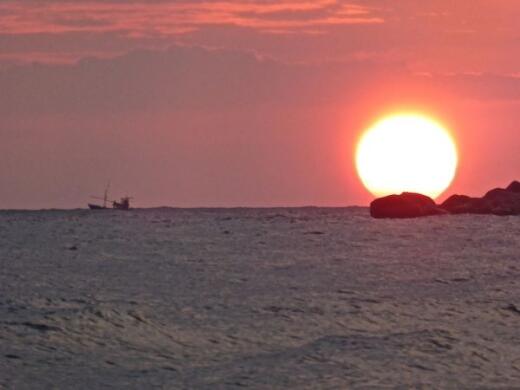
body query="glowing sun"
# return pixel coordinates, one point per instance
(409, 153)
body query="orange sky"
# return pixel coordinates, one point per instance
(244, 103)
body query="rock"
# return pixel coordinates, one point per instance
(498, 201)
(406, 205)
(462, 204)
(503, 202)
(497, 194)
(514, 187)
(457, 204)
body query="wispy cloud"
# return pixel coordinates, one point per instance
(434, 36)
(154, 18)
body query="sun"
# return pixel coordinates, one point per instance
(407, 153)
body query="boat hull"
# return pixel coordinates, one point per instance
(96, 207)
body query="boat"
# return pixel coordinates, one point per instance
(122, 204)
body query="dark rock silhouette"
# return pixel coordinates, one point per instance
(406, 205)
(514, 187)
(462, 204)
(457, 204)
(498, 201)
(503, 202)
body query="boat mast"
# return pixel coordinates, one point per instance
(105, 198)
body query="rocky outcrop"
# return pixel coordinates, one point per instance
(499, 201)
(514, 187)
(462, 204)
(406, 205)
(503, 201)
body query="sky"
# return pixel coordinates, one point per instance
(244, 103)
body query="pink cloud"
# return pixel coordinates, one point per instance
(438, 36)
(172, 18)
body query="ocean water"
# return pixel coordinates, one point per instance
(257, 298)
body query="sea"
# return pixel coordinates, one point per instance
(287, 298)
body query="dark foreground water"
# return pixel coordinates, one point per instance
(262, 299)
